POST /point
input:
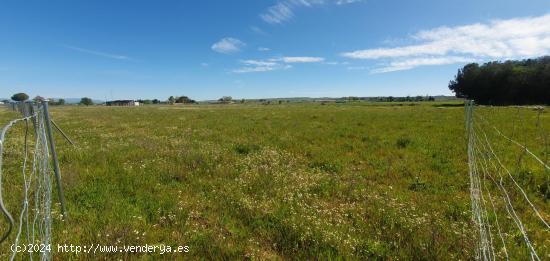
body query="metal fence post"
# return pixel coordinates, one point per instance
(54, 157)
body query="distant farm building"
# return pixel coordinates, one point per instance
(122, 103)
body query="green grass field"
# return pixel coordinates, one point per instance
(292, 181)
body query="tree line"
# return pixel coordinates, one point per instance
(520, 82)
(20, 97)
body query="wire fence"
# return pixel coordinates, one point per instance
(33, 223)
(509, 218)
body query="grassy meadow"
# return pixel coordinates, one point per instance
(383, 181)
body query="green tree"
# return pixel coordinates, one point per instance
(61, 102)
(171, 100)
(505, 83)
(86, 101)
(225, 99)
(184, 99)
(20, 97)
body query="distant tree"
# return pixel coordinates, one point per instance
(20, 97)
(171, 100)
(242, 100)
(86, 101)
(431, 98)
(225, 99)
(184, 99)
(156, 101)
(61, 102)
(38, 98)
(6, 101)
(352, 98)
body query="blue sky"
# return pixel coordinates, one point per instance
(254, 49)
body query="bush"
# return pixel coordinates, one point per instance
(330, 167)
(402, 142)
(245, 149)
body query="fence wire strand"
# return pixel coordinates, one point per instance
(486, 168)
(35, 214)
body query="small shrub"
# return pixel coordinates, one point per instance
(544, 190)
(526, 177)
(403, 142)
(330, 167)
(417, 185)
(245, 149)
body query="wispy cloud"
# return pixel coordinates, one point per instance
(345, 2)
(279, 13)
(273, 64)
(335, 63)
(300, 59)
(258, 30)
(260, 66)
(284, 10)
(263, 49)
(99, 53)
(499, 39)
(357, 68)
(228, 45)
(416, 62)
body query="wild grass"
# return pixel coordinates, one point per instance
(290, 181)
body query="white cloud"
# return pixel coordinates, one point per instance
(263, 49)
(408, 64)
(300, 59)
(499, 39)
(336, 63)
(274, 63)
(98, 53)
(345, 2)
(259, 63)
(260, 66)
(283, 10)
(204, 64)
(278, 13)
(249, 69)
(228, 45)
